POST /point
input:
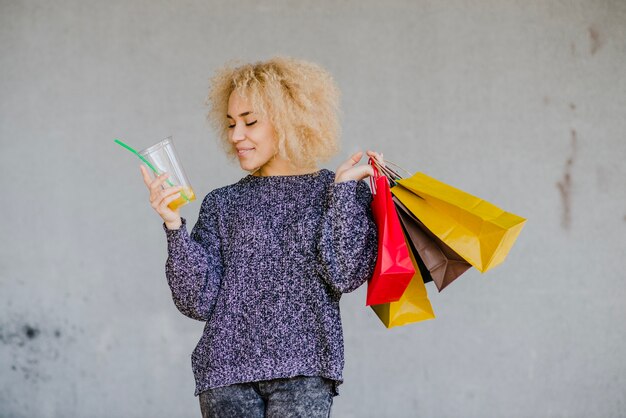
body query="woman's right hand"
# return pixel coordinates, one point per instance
(160, 198)
(350, 171)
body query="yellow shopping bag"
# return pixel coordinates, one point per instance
(413, 306)
(477, 230)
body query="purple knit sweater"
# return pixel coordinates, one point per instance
(265, 267)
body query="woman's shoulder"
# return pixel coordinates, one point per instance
(219, 194)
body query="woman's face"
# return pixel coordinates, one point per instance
(253, 137)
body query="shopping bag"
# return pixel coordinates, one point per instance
(436, 261)
(477, 230)
(413, 306)
(394, 269)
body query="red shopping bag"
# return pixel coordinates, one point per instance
(394, 269)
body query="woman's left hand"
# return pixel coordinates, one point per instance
(350, 171)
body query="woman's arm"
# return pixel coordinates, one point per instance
(347, 246)
(194, 263)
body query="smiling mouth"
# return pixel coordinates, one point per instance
(244, 151)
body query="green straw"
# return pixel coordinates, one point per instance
(156, 172)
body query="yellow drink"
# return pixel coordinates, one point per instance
(188, 191)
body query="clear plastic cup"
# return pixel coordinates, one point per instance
(164, 158)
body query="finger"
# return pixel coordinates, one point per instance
(374, 154)
(370, 171)
(378, 157)
(168, 200)
(163, 193)
(358, 173)
(158, 181)
(147, 179)
(354, 159)
(157, 198)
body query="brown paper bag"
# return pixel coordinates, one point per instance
(437, 261)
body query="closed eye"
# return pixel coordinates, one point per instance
(247, 124)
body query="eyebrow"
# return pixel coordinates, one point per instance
(241, 114)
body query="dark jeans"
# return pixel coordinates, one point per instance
(300, 396)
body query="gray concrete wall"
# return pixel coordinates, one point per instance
(520, 102)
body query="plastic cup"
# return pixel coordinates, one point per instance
(164, 158)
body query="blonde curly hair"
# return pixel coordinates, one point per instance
(299, 98)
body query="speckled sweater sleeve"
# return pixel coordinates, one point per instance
(347, 246)
(194, 264)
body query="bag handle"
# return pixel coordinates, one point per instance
(375, 166)
(392, 175)
(397, 166)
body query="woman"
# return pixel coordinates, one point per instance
(270, 256)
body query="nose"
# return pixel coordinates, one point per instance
(238, 133)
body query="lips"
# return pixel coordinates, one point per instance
(244, 151)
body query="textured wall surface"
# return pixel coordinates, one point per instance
(522, 103)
